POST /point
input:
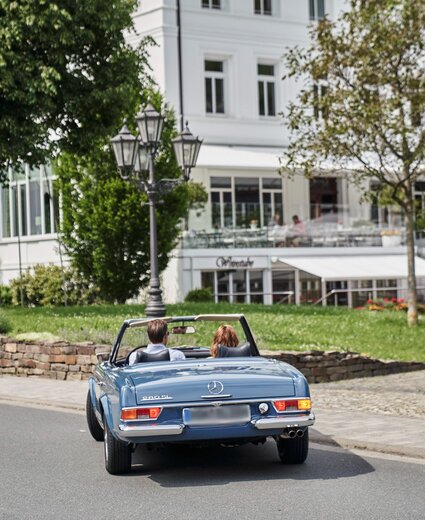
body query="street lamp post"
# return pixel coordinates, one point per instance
(135, 156)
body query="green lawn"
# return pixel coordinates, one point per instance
(379, 334)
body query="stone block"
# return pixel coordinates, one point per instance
(85, 350)
(4, 363)
(8, 370)
(59, 367)
(336, 370)
(61, 376)
(42, 366)
(315, 359)
(11, 347)
(33, 349)
(74, 368)
(83, 360)
(69, 350)
(87, 369)
(37, 372)
(57, 358)
(44, 358)
(319, 371)
(18, 355)
(74, 376)
(27, 363)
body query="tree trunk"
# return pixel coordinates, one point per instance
(412, 297)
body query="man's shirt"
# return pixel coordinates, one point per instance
(175, 355)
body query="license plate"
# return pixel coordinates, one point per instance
(217, 415)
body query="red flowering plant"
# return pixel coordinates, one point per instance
(390, 304)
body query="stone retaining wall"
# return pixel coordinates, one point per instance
(63, 360)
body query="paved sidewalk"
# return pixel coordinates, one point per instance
(385, 414)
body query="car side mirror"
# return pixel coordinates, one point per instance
(102, 356)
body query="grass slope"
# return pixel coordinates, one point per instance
(379, 334)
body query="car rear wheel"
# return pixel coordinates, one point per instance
(117, 454)
(95, 428)
(293, 451)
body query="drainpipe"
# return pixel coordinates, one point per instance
(180, 68)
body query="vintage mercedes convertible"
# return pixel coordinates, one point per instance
(235, 398)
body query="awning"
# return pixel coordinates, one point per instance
(231, 157)
(346, 267)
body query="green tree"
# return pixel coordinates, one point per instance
(105, 226)
(66, 75)
(361, 108)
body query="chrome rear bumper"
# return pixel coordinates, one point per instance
(293, 421)
(150, 431)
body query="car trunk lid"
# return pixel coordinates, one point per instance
(195, 381)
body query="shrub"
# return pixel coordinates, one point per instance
(52, 285)
(5, 295)
(5, 325)
(199, 295)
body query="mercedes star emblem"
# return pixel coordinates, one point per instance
(215, 387)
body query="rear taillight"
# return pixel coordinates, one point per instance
(137, 414)
(291, 405)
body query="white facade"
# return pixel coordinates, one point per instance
(233, 96)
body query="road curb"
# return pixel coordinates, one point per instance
(37, 403)
(352, 444)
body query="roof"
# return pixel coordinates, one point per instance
(355, 267)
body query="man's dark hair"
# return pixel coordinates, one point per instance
(157, 329)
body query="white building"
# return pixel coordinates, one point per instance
(226, 82)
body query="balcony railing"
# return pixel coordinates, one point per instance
(285, 236)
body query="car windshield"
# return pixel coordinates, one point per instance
(182, 334)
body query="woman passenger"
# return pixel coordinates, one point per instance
(226, 336)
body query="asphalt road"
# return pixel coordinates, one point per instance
(50, 468)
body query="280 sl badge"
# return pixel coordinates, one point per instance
(155, 397)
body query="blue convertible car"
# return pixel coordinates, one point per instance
(232, 399)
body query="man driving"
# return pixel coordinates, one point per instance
(158, 336)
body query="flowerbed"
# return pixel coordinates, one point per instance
(390, 304)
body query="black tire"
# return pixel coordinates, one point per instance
(95, 428)
(117, 454)
(293, 451)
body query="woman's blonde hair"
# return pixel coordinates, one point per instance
(225, 335)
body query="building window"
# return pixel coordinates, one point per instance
(319, 107)
(242, 286)
(266, 90)
(245, 202)
(360, 297)
(256, 286)
(30, 205)
(6, 216)
(317, 9)
(263, 7)
(420, 196)
(283, 286)
(386, 289)
(272, 202)
(214, 86)
(211, 4)
(221, 202)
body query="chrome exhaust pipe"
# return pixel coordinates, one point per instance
(288, 433)
(300, 433)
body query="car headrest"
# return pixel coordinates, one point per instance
(243, 350)
(148, 357)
